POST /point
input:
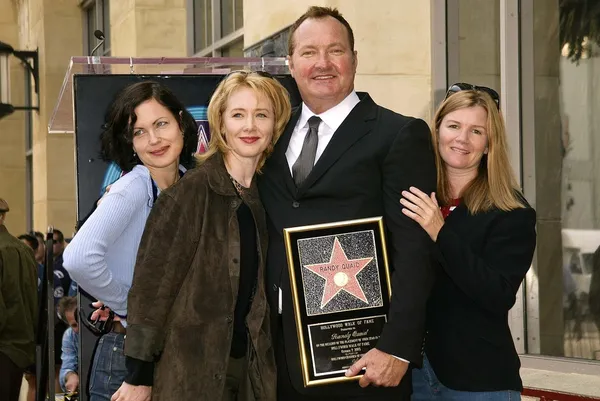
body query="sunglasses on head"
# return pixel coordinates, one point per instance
(461, 86)
(263, 74)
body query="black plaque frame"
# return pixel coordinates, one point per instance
(338, 326)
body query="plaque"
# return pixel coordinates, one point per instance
(341, 289)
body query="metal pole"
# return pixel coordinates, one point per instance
(51, 311)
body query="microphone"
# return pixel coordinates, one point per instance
(100, 36)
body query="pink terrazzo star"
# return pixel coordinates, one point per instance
(340, 274)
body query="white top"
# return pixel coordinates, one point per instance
(331, 121)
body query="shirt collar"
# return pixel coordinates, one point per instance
(335, 116)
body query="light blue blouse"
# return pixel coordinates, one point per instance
(101, 256)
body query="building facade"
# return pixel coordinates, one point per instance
(408, 52)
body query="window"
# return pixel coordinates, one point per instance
(96, 17)
(217, 28)
(542, 59)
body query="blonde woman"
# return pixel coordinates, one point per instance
(484, 234)
(197, 310)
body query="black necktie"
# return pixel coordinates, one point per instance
(306, 160)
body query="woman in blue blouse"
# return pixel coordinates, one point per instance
(149, 135)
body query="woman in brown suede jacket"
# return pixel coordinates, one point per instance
(198, 320)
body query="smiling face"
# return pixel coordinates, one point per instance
(323, 64)
(157, 138)
(248, 123)
(463, 138)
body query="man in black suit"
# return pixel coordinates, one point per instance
(343, 157)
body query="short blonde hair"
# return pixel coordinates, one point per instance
(495, 185)
(259, 83)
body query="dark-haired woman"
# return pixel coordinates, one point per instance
(151, 136)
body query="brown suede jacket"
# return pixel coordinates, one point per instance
(181, 303)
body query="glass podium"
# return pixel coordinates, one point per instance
(62, 118)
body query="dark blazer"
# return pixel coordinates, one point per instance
(185, 285)
(372, 157)
(483, 259)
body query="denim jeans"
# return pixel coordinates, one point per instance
(108, 368)
(427, 387)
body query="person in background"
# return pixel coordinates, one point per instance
(40, 253)
(205, 240)
(60, 272)
(69, 371)
(32, 242)
(151, 136)
(484, 235)
(18, 309)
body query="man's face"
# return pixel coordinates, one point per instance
(58, 247)
(323, 64)
(70, 316)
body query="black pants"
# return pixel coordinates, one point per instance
(237, 382)
(11, 377)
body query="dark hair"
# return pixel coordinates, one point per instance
(117, 137)
(41, 237)
(59, 234)
(66, 304)
(31, 240)
(316, 12)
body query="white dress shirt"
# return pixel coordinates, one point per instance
(330, 122)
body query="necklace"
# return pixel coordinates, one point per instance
(238, 187)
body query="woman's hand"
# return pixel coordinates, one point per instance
(424, 210)
(129, 392)
(102, 312)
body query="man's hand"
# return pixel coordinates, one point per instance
(129, 392)
(381, 369)
(72, 382)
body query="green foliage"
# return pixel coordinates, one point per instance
(579, 19)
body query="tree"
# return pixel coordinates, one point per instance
(579, 20)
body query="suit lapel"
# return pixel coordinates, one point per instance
(358, 123)
(280, 161)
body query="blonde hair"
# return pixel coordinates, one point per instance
(260, 84)
(495, 185)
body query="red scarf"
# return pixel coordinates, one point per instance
(446, 210)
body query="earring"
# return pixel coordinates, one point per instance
(134, 155)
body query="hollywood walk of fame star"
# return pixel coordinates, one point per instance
(340, 274)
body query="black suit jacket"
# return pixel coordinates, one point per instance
(483, 259)
(372, 157)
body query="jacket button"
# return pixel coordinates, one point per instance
(229, 319)
(295, 205)
(235, 260)
(274, 287)
(234, 204)
(218, 376)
